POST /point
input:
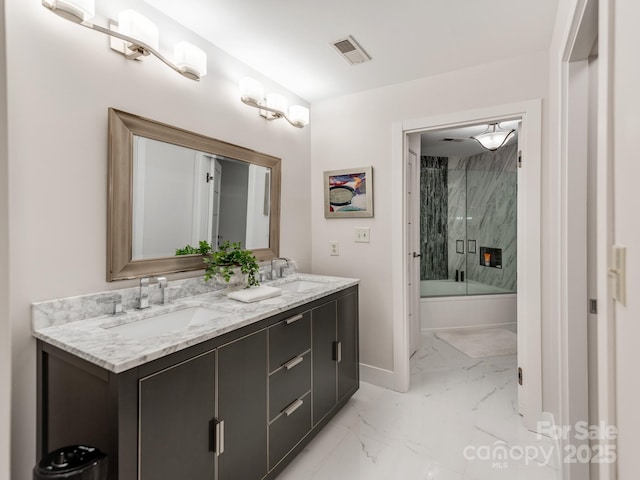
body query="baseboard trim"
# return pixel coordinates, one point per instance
(377, 376)
(468, 327)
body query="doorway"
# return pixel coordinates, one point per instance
(528, 234)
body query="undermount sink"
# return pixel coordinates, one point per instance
(166, 322)
(300, 285)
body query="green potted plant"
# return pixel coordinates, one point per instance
(232, 264)
(202, 249)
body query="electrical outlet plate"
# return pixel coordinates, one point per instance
(334, 248)
(363, 235)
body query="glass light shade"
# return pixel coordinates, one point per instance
(190, 59)
(299, 115)
(137, 26)
(277, 102)
(74, 10)
(494, 137)
(251, 91)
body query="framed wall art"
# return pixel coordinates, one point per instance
(348, 193)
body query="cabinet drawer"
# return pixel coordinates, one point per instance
(289, 384)
(288, 430)
(286, 340)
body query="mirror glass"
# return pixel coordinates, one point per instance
(170, 188)
(203, 196)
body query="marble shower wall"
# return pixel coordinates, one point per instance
(491, 198)
(433, 218)
(472, 198)
(456, 220)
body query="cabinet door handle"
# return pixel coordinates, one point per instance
(219, 437)
(293, 407)
(337, 351)
(295, 318)
(293, 362)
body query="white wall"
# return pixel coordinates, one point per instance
(626, 172)
(355, 130)
(61, 80)
(5, 324)
(164, 181)
(257, 221)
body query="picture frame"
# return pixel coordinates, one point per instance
(459, 246)
(348, 193)
(471, 246)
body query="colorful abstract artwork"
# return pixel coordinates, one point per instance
(348, 193)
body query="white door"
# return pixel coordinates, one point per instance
(201, 199)
(214, 201)
(413, 248)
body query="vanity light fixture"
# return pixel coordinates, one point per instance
(494, 137)
(134, 36)
(274, 106)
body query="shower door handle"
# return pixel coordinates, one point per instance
(416, 255)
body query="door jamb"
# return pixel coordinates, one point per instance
(529, 240)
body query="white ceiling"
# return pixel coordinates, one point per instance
(289, 40)
(432, 142)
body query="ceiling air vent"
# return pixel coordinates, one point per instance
(349, 49)
(455, 140)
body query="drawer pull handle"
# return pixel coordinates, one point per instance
(293, 362)
(219, 437)
(293, 407)
(290, 320)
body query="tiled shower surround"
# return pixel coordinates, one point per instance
(433, 218)
(480, 205)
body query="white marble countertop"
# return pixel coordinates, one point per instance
(92, 339)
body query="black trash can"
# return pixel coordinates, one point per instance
(76, 462)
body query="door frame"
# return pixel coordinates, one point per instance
(529, 242)
(591, 19)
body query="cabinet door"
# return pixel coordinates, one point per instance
(242, 406)
(176, 419)
(348, 365)
(323, 320)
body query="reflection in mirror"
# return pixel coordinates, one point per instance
(169, 188)
(205, 197)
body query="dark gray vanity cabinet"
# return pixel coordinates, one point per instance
(335, 353)
(236, 407)
(348, 358)
(177, 411)
(289, 384)
(242, 408)
(183, 429)
(192, 414)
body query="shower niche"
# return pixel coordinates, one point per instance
(490, 257)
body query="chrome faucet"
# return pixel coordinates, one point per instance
(144, 291)
(278, 273)
(115, 301)
(164, 294)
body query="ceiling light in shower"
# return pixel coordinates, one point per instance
(494, 137)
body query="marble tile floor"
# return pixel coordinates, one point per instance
(455, 422)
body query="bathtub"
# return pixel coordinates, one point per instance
(450, 306)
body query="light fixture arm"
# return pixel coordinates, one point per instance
(136, 47)
(276, 114)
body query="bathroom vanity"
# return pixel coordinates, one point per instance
(235, 397)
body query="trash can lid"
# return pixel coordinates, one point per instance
(69, 459)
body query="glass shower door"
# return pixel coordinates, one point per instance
(468, 224)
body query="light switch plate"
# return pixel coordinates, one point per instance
(363, 235)
(334, 248)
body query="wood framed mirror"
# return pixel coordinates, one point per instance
(169, 188)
